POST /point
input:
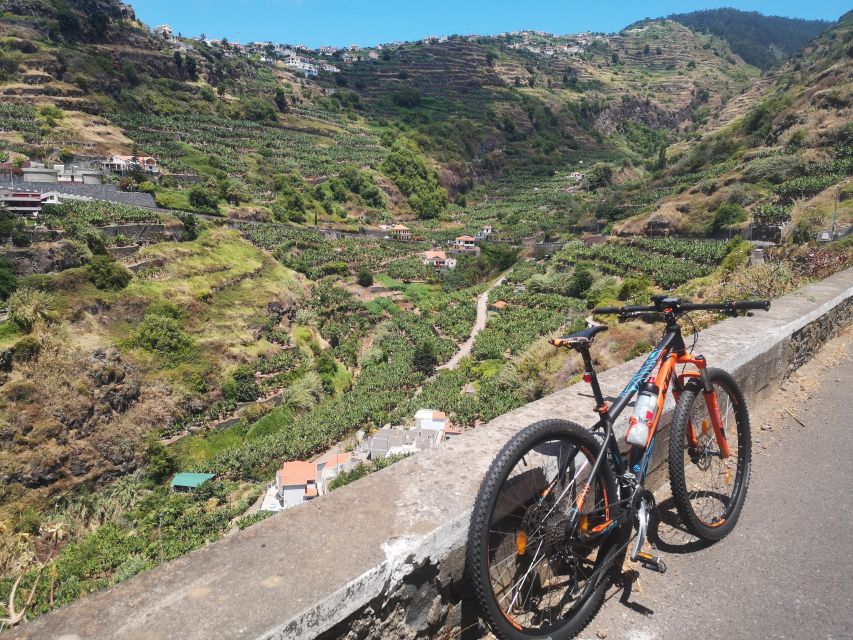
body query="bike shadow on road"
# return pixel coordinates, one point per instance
(668, 535)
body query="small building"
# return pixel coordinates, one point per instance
(21, 202)
(465, 244)
(430, 420)
(295, 483)
(331, 469)
(439, 260)
(122, 164)
(163, 30)
(499, 306)
(400, 232)
(190, 481)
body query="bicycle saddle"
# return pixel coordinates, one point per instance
(581, 338)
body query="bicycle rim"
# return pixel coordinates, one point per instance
(542, 551)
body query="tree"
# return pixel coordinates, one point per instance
(365, 278)
(646, 50)
(424, 358)
(599, 175)
(178, 58)
(580, 282)
(728, 214)
(203, 199)
(8, 279)
(281, 100)
(614, 58)
(192, 68)
(160, 463)
(661, 163)
(491, 56)
(107, 274)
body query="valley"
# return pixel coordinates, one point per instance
(316, 246)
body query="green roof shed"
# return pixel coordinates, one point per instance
(189, 481)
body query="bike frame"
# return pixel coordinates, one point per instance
(666, 356)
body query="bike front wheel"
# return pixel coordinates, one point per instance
(709, 484)
(538, 544)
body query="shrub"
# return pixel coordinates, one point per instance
(728, 214)
(164, 336)
(165, 308)
(580, 282)
(160, 463)
(107, 274)
(242, 387)
(407, 98)
(637, 290)
(425, 358)
(190, 223)
(365, 278)
(204, 200)
(29, 306)
(8, 279)
(599, 175)
(26, 349)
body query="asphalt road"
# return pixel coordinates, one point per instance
(786, 570)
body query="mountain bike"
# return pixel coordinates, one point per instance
(557, 509)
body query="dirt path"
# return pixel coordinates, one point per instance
(479, 324)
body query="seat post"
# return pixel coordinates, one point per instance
(589, 369)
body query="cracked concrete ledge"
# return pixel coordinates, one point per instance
(384, 557)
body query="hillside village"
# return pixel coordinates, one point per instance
(239, 276)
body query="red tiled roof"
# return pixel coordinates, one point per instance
(296, 473)
(338, 459)
(435, 255)
(467, 238)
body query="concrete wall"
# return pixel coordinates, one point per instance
(383, 557)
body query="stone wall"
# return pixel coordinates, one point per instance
(384, 557)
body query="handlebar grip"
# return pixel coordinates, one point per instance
(604, 310)
(760, 305)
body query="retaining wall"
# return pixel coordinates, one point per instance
(383, 557)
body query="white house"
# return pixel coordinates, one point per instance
(465, 244)
(439, 260)
(400, 232)
(122, 164)
(301, 65)
(331, 469)
(295, 483)
(430, 420)
(163, 30)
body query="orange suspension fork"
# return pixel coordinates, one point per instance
(717, 423)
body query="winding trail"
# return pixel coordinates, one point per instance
(479, 324)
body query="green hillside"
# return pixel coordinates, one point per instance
(284, 319)
(762, 41)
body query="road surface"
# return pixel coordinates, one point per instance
(479, 325)
(786, 570)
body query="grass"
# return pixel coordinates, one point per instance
(274, 421)
(9, 334)
(194, 451)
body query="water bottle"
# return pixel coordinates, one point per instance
(639, 424)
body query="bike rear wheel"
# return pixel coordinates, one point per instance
(537, 563)
(708, 489)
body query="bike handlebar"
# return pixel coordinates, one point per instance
(664, 305)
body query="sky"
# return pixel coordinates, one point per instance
(368, 22)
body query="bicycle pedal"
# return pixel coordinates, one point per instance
(652, 562)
